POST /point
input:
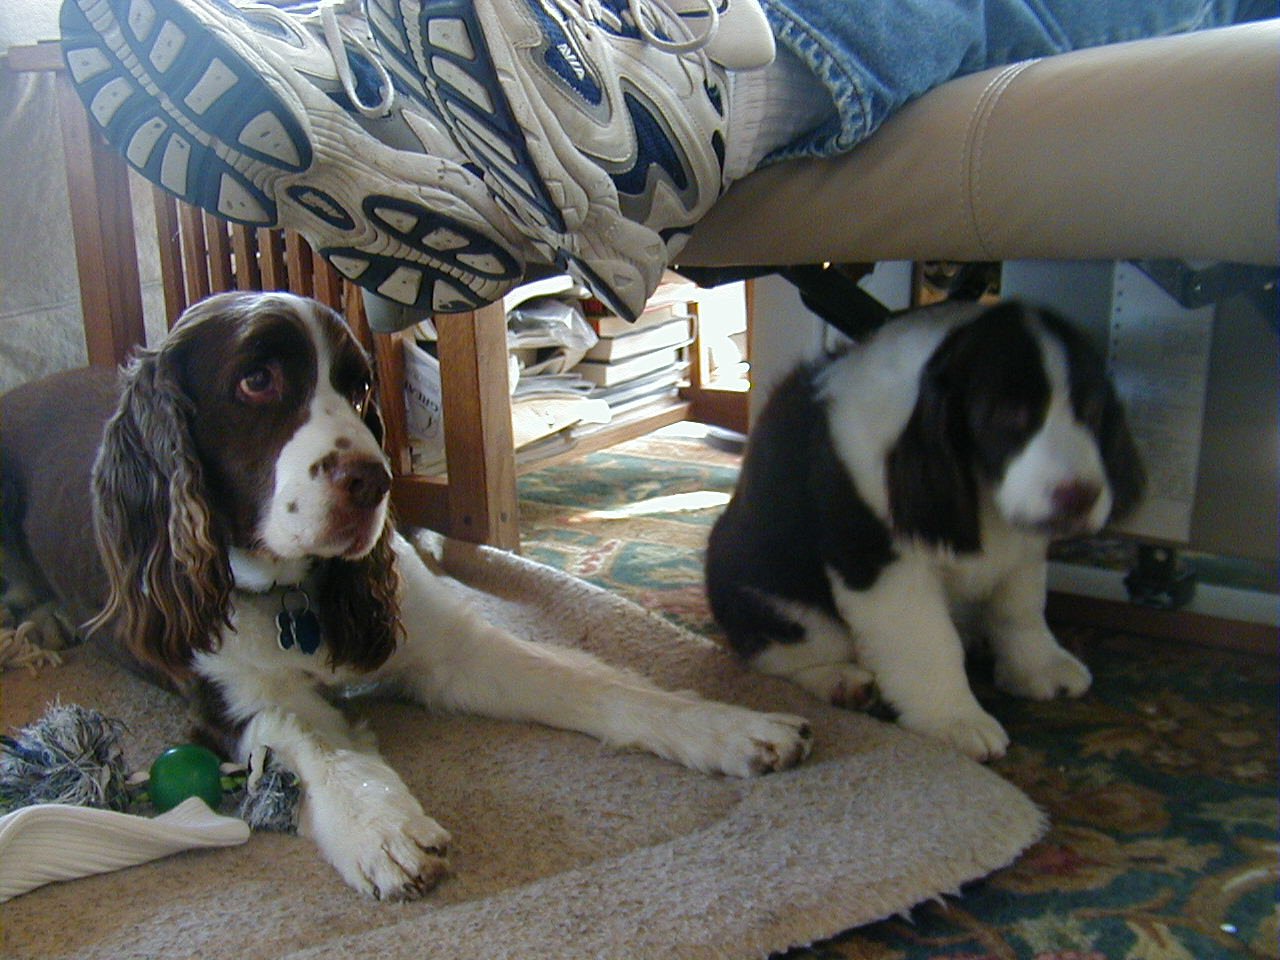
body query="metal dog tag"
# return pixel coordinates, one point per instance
(297, 624)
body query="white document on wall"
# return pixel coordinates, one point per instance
(1158, 355)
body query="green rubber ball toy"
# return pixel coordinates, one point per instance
(185, 771)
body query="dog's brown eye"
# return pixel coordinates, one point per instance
(361, 396)
(261, 384)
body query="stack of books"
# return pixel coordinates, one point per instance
(633, 363)
(547, 401)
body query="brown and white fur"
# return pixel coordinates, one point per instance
(242, 459)
(914, 479)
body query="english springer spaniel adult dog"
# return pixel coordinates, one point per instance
(890, 490)
(240, 499)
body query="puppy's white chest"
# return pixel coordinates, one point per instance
(972, 578)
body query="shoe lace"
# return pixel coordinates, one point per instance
(645, 13)
(337, 36)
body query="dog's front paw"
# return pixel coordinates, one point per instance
(400, 860)
(719, 738)
(773, 741)
(372, 829)
(1055, 674)
(974, 732)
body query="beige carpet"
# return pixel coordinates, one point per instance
(562, 848)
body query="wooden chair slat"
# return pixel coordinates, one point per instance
(298, 258)
(271, 262)
(221, 277)
(244, 252)
(169, 244)
(195, 254)
(102, 222)
(326, 281)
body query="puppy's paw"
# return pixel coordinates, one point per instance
(775, 741)
(1055, 674)
(840, 684)
(719, 738)
(974, 732)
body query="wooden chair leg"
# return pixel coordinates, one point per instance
(476, 401)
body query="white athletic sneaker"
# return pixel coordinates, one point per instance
(285, 117)
(600, 124)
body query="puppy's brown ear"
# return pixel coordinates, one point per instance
(1120, 458)
(933, 494)
(169, 577)
(1098, 405)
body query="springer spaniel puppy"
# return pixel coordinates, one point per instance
(248, 559)
(893, 488)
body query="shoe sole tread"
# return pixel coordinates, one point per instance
(551, 210)
(183, 122)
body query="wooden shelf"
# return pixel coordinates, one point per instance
(425, 494)
(631, 424)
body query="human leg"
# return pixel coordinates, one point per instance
(873, 56)
(600, 127)
(604, 130)
(606, 146)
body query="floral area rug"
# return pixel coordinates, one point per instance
(1160, 782)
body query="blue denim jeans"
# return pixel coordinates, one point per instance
(875, 55)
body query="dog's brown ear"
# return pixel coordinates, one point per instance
(371, 415)
(359, 609)
(169, 577)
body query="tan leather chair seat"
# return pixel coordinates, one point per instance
(1161, 148)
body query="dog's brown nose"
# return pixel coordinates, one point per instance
(363, 483)
(1075, 499)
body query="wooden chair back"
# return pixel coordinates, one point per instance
(201, 254)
